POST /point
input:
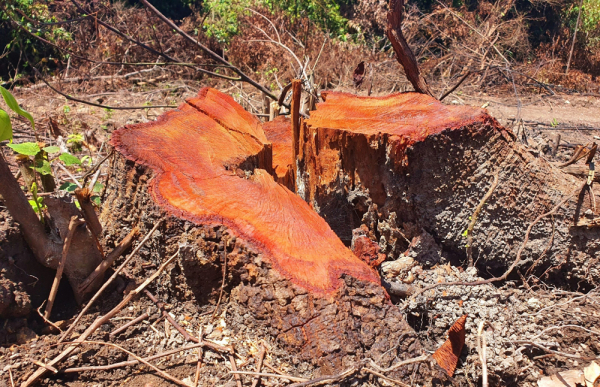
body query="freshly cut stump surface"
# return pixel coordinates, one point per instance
(405, 165)
(206, 167)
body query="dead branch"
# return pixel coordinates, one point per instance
(73, 224)
(557, 353)
(382, 376)
(162, 373)
(112, 278)
(97, 323)
(110, 259)
(70, 98)
(261, 357)
(574, 37)
(122, 328)
(404, 54)
(238, 378)
(200, 357)
(46, 320)
(418, 359)
(146, 47)
(279, 376)
(184, 333)
(212, 54)
(225, 245)
(132, 362)
(83, 196)
(330, 379)
(482, 355)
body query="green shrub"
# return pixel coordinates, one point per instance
(30, 14)
(222, 21)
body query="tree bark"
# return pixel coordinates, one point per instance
(207, 167)
(403, 164)
(404, 54)
(45, 250)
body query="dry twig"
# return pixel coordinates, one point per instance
(482, 356)
(139, 359)
(95, 325)
(110, 280)
(132, 322)
(73, 224)
(474, 219)
(261, 356)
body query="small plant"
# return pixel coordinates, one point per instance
(108, 113)
(554, 123)
(76, 141)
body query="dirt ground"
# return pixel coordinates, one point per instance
(516, 312)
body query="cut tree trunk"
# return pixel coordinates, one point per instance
(207, 168)
(405, 163)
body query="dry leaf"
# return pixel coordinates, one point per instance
(447, 355)
(592, 374)
(573, 378)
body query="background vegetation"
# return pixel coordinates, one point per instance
(49, 33)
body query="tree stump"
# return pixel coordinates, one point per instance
(207, 168)
(406, 164)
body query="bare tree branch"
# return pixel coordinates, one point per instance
(212, 54)
(404, 54)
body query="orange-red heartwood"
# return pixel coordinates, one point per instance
(196, 153)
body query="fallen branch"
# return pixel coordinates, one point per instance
(261, 356)
(557, 353)
(110, 259)
(330, 379)
(46, 320)
(224, 277)
(70, 98)
(482, 356)
(162, 373)
(73, 224)
(279, 376)
(382, 376)
(110, 280)
(96, 324)
(238, 378)
(127, 325)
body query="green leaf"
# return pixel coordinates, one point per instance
(98, 187)
(96, 200)
(26, 148)
(6, 132)
(12, 103)
(465, 233)
(42, 166)
(69, 159)
(34, 205)
(68, 186)
(51, 149)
